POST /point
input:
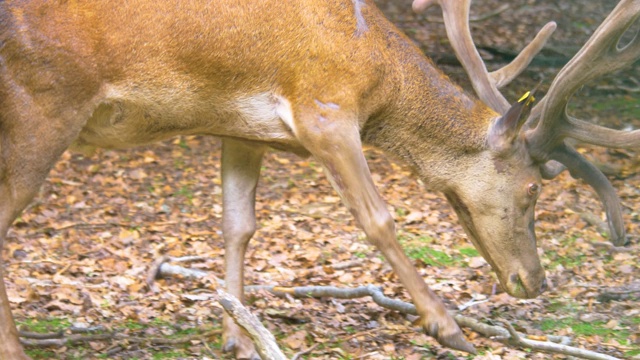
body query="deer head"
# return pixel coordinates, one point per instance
(496, 207)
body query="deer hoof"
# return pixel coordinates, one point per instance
(449, 335)
(241, 346)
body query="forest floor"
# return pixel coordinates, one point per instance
(81, 253)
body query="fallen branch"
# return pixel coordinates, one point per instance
(58, 339)
(25, 339)
(551, 344)
(594, 220)
(304, 352)
(264, 341)
(612, 249)
(627, 292)
(516, 340)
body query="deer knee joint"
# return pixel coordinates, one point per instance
(238, 232)
(379, 228)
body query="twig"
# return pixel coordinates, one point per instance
(297, 355)
(185, 259)
(153, 273)
(593, 220)
(86, 330)
(346, 264)
(554, 344)
(545, 346)
(165, 269)
(629, 291)
(262, 338)
(612, 249)
(41, 336)
(471, 303)
(67, 340)
(35, 339)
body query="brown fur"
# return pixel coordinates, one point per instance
(310, 77)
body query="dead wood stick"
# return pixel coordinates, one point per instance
(41, 336)
(262, 338)
(516, 340)
(554, 344)
(594, 220)
(304, 352)
(160, 268)
(612, 249)
(66, 340)
(153, 273)
(193, 258)
(46, 340)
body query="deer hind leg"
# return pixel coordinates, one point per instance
(240, 173)
(335, 143)
(30, 144)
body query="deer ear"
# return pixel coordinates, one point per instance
(505, 129)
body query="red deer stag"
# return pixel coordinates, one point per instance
(311, 77)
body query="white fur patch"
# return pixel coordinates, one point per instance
(257, 108)
(266, 108)
(283, 109)
(361, 24)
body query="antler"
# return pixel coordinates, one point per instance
(599, 56)
(485, 84)
(549, 124)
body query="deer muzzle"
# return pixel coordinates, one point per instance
(524, 284)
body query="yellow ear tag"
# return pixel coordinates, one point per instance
(527, 96)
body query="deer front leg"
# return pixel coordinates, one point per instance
(30, 144)
(240, 173)
(10, 348)
(335, 143)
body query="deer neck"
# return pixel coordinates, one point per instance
(430, 124)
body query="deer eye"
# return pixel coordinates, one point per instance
(533, 189)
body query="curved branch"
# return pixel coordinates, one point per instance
(558, 345)
(553, 344)
(265, 342)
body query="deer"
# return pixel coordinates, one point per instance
(315, 78)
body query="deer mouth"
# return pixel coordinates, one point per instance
(520, 282)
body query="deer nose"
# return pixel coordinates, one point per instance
(518, 286)
(544, 285)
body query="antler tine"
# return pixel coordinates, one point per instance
(601, 136)
(505, 75)
(600, 55)
(551, 124)
(581, 168)
(485, 84)
(456, 21)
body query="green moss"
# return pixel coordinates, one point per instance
(566, 261)
(429, 256)
(37, 354)
(135, 326)
(46, 325)
(469, 252)
(172, 354)
(631, 353)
